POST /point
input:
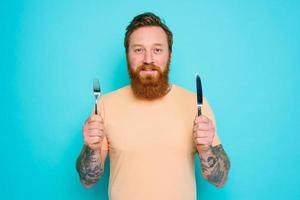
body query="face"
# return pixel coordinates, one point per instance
(148, 58)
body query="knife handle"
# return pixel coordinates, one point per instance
(96, 111)
(199, 111)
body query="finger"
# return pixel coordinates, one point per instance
(95, 125)
(207, 134)
(201, 138)
(95, 136)
(203, 141)
(199, 141)
(92, 140)
(96, 118)
(95, 140)
(202, 118)
(203, 126)
(91, 134)
(206, 142)
(100, 129)
(201, 134)
(95, 133)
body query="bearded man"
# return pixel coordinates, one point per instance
(150, 128)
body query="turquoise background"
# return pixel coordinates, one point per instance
(247, 53)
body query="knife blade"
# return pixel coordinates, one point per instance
(199, 94)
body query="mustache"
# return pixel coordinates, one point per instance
(148, 67)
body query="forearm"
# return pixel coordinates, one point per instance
(89, 166)
(214, 163)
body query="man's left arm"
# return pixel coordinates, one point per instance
(215, 163)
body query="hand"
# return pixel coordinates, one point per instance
(203, 131)
(93, 132)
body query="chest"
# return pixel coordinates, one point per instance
(167, 129)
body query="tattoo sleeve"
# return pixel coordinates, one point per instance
(215, 165)
(89, 166)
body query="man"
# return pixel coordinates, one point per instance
(150, 128)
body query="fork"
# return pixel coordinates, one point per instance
(97, 92)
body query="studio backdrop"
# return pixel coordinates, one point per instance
(247, 53)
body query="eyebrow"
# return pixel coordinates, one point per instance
(140, 45)
(137, 45)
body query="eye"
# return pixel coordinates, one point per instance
(138, 50)
(157, 50)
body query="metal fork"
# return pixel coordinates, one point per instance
(97, 92)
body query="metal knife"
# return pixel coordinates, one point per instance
(199, 94)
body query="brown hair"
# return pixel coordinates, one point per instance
(147, 19)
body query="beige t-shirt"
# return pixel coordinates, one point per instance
(150, 145)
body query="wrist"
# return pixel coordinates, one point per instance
(95, 152)
(94, 147)
(203, 148)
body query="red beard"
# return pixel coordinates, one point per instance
(149, 85)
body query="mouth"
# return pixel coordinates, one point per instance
(148, 71)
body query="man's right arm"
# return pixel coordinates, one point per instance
(89, 166)
(90, 163)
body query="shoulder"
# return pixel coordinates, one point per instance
(116, 95)
(180, 91)
(186, 95)
(113, 99)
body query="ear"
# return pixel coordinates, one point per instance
(170, 57)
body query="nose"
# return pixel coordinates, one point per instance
(148, 57)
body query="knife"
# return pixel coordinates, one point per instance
(199, 94)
